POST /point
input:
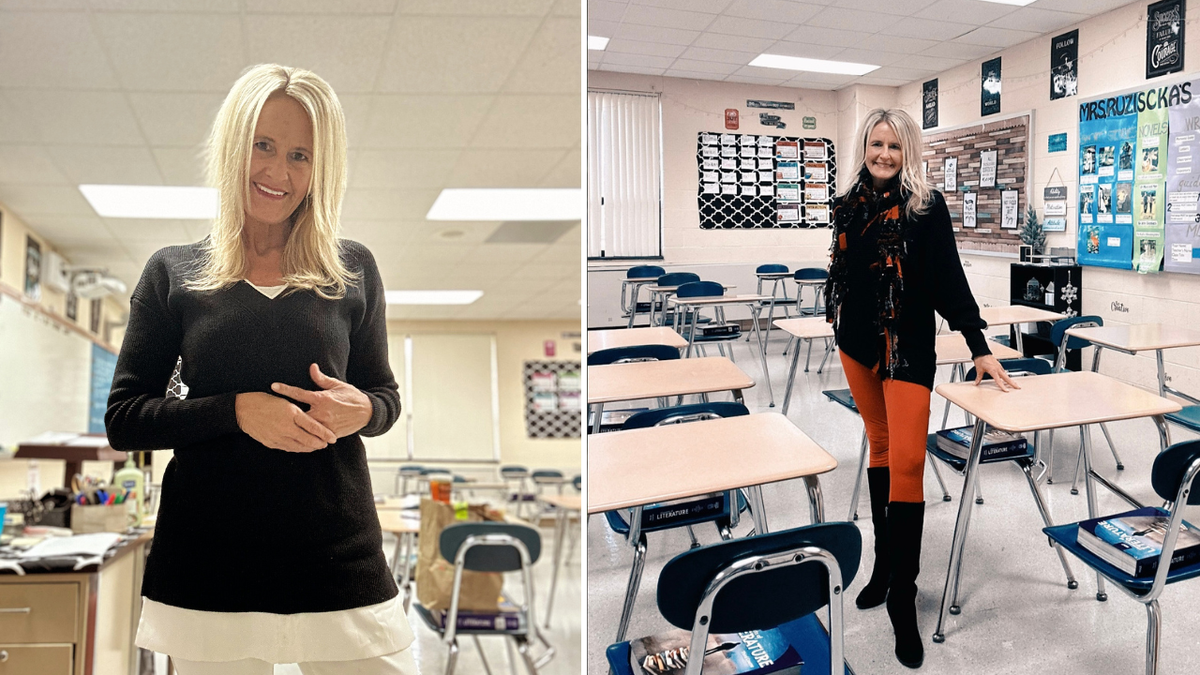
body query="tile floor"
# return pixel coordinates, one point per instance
(1018, 615)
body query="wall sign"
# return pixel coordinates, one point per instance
(776, 105)
(1164, 38)
(929, 109)
(989, 95)
(731, 119)
(1064, 65)
(1054, 192)
(1057, 143)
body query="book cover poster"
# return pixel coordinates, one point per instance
(724, 654)
(1164, 38)
(929, 98)
(1149, 190)
(1182, 212)
(1064, 65)
(1107, 152)
(989, 95)
(33, 269)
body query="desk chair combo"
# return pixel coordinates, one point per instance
(1173, 478)
(403, 474)
(816, 278)
(660, 315)
(691, 320)
(516, 475)
(491, 547)
(778, 580)
(635, 278)
(723, 512)
(775, 273)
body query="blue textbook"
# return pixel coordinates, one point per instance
(757, 652)
(1132, 541)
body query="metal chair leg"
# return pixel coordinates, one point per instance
(937, 473)
(1112, 448)
(862, 467)
(635, 581)
(828, 351)
(452, 658)
(1050, 462)
(1041, 504)
(808, 357)
(1078, 462)
(1153, 635)
(692, 535)
(523, 649)
(482, 657)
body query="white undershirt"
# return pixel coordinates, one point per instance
(270, 291)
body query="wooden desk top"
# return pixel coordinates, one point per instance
(773, 275)
(399, 522)
(1139, 337)
(1004, 316)
(568, 502)
(643, 466)
(83, 447)
(633, 337)
(709, 300)
(952, 348)
(672, 289)
(806, 329)
(652, 379)
(1057, 400)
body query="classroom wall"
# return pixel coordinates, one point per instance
(1112, 50)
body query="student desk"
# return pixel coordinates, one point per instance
(58, 621)
(776, 278)
(660, 379)
(564, 505)
(1142, 337)
(76, 451)
(801, 284)
(633, 337)
(636, 283)
(1011, 314)
(405, 524)
(660, 294)
(1043, 402)
(812, 328)
(719, 301)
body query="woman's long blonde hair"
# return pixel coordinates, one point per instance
(912, 177)
(310, 256)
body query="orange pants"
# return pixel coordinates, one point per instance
(896, 416)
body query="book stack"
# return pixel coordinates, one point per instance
(509, 618)
(997, 445)
(718, 330)
(1132, 541)
(751, 653)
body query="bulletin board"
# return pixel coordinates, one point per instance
(983, 168)
(553, 399)
(749, 181)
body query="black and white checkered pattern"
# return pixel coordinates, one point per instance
(553, 423)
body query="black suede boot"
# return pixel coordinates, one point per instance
(906, 523)
(879, 483)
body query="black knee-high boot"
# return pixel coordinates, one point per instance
(906, 522)
(879, 483)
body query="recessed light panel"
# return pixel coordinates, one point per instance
(507, 204)
(152, 201)
(812, 65)
(597, 43)
(432, 297)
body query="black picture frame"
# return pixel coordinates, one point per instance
(33, 269)
(1064, 65)
(929, 104)
(1165, 23)
(989, 87)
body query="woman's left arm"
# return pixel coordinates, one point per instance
(368, 368)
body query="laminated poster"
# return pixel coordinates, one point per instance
(969, 209)
(787, 192)
(1056, 208)
(787, 171)
(787, 150)
(1064, 65)
(987, 168)
(989, 95)
(788, 213)
(951, 171)
(817, 213)
(818, 192)
(1008, 209)
(815, 172)
(814, 150)
(1108, 162)
(1182, 218)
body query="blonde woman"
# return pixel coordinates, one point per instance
(268, 548)
(893, 264)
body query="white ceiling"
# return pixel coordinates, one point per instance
(437, 93)
(910, 39)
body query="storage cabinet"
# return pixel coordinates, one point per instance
(35, 659)
(1056, 288)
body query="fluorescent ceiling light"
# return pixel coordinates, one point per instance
(508, 204)
(152, 201)
(811, 65)
(432, 297)
(1018, 3)
(597, 43)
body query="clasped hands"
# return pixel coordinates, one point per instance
(337, 410)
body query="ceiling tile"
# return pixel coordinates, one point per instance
(388, 204)
(669, 36)
(15, 127)
(166, 5)
(551, 63)
(602, 29)
(731, 25)
(995, 37)
(666, 18)
(205, 50)
(477, 168)
(176, 118)
(106, 165)
(811, 51)
(474, 8)
(344, 50)
(603, 10)
(1037, 20)
(134, 230)
(851, 19)
(923, 62)
(718, 55)
(927, 29)
(1092, 7)
(85, 117)
(618, 46)
(43, 4)
(827, 36)
(708, 67)
(567, 173)
(733, 43)
(635, 70)
(52, 49)
(67, 230)
(772, 10)
(756, 79)
(411, 168)
(531, 122)
(445, 121)
(416, 60)
(981, 12)
(180, 166)
(29, 165)
(102, 254)
(959, 50)
(567, 8)
(882, 42)
(318, 6)
(638, 60)
(52, 200)
(893, 7)
(693, 75)
(710, 6)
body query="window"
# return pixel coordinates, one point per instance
(624, 175)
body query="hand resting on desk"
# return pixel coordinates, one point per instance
(279, 424)
(988, 365)
(339, 406)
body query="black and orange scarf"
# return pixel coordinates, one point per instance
(864, 208)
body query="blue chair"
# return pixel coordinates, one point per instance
(632, 354)
(1064, 343)
(778, 580)
(691, 317)
(515, 473)
(776, 285)
(405, 472)
(673, 279)
(708, 508)
(808, 276)
(490, 547)
(634, 279)
(1173, 478)
(543, 478)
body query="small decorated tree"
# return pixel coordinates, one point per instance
(1032, 233)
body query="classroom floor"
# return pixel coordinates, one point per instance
(1018, 615)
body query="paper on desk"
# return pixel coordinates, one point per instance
(94, 544)
(88, 442)
(52, 438)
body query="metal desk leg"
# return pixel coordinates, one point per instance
(758, 508)
(762, 355)
(787, 394)
(560, 532)
(405, 578)
(1041, 504)
(1090, 486)
(1017, 331)
(816, 505)
(961, 524)
(691, 333)
(1164, 433)
(597, 412)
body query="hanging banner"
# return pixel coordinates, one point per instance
(1183, 191)
(929, 96)
(1106, 147)
(1064, 65)
(1148, 189)
(1164, 38)
(989, 95)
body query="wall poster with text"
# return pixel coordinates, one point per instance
(1064, 65)
(929, 104)
(1106, 150)
(1164, 38)
(989, 94)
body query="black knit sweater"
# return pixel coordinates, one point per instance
(933, 280)
(242, 527)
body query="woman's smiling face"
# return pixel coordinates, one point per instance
(281, 160)
(884, 156)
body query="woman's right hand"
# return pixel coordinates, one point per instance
(279, 424)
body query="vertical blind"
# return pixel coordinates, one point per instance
(624, 175)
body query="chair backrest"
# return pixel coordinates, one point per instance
(546, 473)
(459, 478)
(677, 278)
(810, 273)
(606, 357)
(1059, 330)
(771, 268)
(765, 599)
(491, 558)
(411, 469)
(513, 469)
(644, 272)
(577, 481)
(1032, 366)
(425, 471)
(685, 413)
(700, 289)
(1170, 465)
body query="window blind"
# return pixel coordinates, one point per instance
(624, 175)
